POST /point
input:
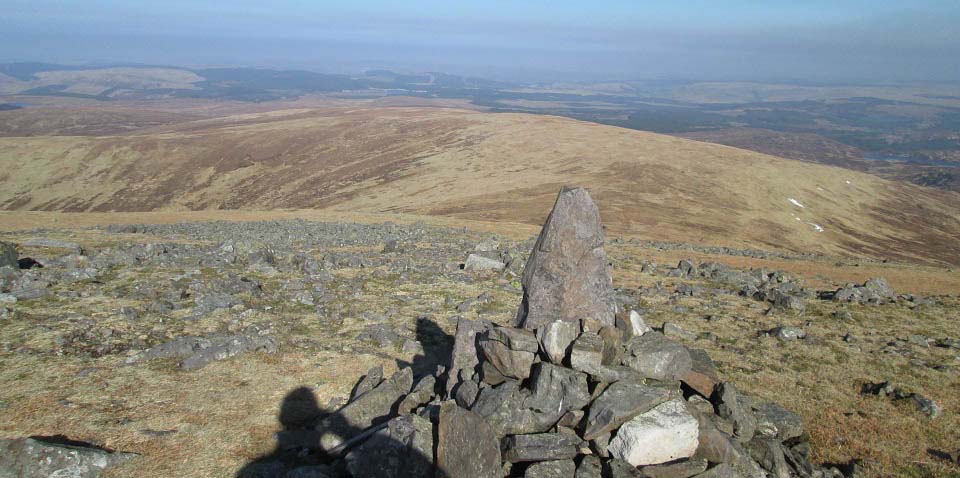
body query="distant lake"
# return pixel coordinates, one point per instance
(911, 160)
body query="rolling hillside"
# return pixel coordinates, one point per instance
(469, 164)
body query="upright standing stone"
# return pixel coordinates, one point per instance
(8, 255)
(567, 276)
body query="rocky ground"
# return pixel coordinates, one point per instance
(185, 343)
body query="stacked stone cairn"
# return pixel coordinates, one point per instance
(574, 388)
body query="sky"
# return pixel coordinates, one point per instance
(824, 41)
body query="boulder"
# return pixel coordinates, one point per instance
(540, 447)
(567, 275)
(555, 339)
(657, 357)
(476, 262)
(372, 407)
(769, 455)
(665, 433)
(403, 449)
(511, 351)
(466, 445)
(621, 402)
(505, 408)
(35, 458)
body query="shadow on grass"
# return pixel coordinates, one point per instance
(298, 454)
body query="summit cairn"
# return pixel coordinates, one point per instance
(567, 276)
(573, 390)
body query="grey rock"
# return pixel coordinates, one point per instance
(374, 406)
(369, 381)
(703, 376)
(551, 469)
(663, 434)
(657, 357)
(586, 353)
(464, 355)
(769, 455)
(722, 470)
(540, 447)
(476, 262)
(678, 469)
(566, 276)
(786, 334)
(32, 458)
(632, 324)
(511, 351)
(589, 467)
(52, 243)
(775, 421)
(466, 393)
(404, 449)
(466, 445)
(423, 391)
(731, 405)
(555, 339)
(616, 468)
(505, 408)
(619, 403)
(557, 390)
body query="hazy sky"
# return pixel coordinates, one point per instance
(816, 40)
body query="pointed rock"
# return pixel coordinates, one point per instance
(567, 276)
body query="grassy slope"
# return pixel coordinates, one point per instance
(501, 167)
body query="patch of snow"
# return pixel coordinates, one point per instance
(816, 227)
(819, 188)
(796, 203)
(848, 182)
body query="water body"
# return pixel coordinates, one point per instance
(911, 160)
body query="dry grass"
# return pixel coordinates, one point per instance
(481, 166)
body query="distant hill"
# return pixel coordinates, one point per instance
(468, 164)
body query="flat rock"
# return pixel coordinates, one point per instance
(658, 357)
(678, 469)
(466, 445)
(476, 262)
(551, 469)
(567, 276)
(773, 420)
(619, 403)
(369, 381)
(665, 433)
(32, 458)
(540, 447)
(404, 449)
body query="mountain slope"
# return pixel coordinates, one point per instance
(485, 166)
